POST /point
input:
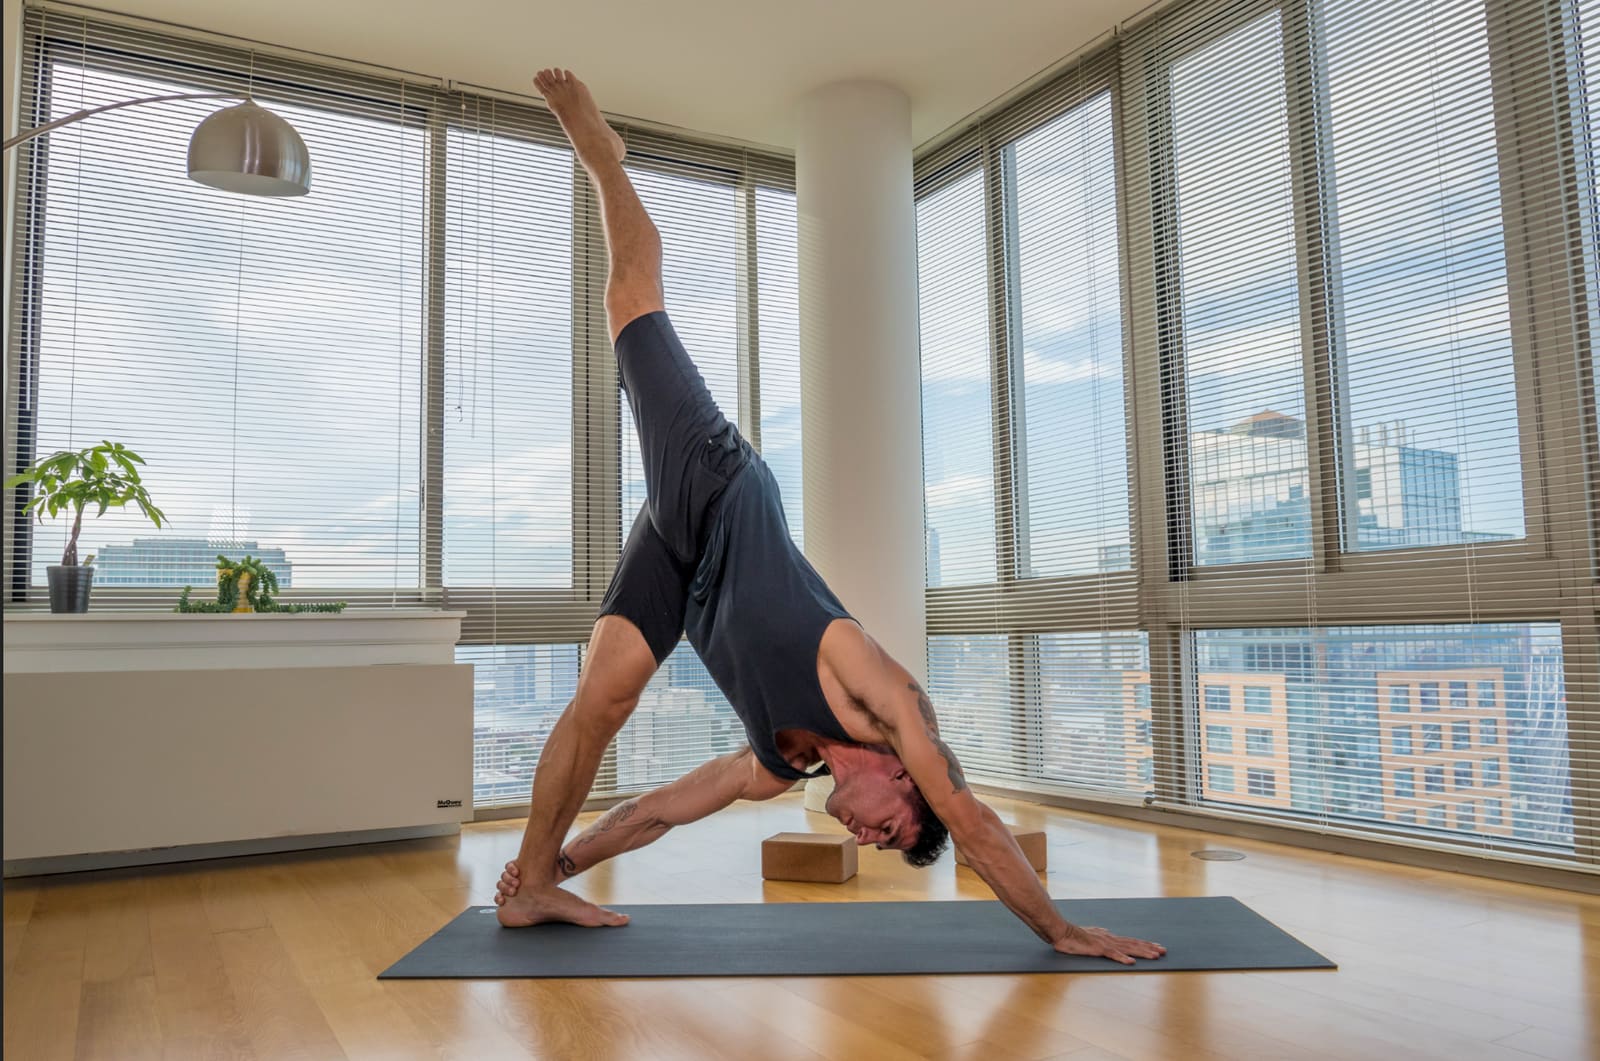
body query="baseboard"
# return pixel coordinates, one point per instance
(35, 867)
(1339, 842)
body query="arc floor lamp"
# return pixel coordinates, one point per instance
(244, 148)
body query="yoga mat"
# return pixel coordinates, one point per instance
(850, 939)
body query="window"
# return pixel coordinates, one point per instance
(1489, 731)
(1406, 817)
(1073, 493)
(518, 693)
(682, 720)
(1147, 770)
(1219, 739)
(1491, 773)
(508, 361)
(1467, 818)
(260, 319)
(1141, 696)
(1405, 786)
(1240, 302)
(1493, 813)
(1258, 741)
(1436, 818)
(1288, 462)
(969, 686)
(1219, 777)
(957, 377)
(1463, 772)
(1082, 732)
(778, 313)
(1262, 783)
(1437, 430)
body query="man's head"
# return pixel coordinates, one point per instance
(875, 798)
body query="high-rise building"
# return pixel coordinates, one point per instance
(1443, 748)
(170, 561)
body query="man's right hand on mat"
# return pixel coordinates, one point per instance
(1098, 943)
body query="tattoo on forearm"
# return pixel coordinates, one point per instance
(930, 725)
(613, 818)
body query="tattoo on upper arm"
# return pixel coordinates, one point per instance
(930, 725)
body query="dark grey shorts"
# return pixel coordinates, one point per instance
(690, 452)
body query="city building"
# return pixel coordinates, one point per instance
(170, 561)
(1444, 749)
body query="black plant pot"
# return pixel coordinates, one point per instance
(69, 588)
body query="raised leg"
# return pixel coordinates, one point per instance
(633, 285)
(616, 668)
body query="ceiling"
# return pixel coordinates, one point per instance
(734, 68)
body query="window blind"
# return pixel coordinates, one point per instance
(1356, 244)
(398, 389)
(1034, 653)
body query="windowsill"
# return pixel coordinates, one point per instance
(39, 642)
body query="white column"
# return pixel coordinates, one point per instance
(861, 386)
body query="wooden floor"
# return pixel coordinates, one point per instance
(275, 957)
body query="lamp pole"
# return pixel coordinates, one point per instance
(78, 116)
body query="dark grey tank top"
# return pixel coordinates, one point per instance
(756, 614)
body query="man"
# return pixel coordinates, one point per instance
(710, 554)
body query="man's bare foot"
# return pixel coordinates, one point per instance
(570, 101)
(518, 909)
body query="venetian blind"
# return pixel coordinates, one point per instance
(1036, 662)
(1356, 248)
(398, 388)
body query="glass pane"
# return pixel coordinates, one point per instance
(262, 355)
(1336, 750)
(508, 363)
(970, 692)
(1589, 44)
(518, 693)
(1240, 300)
(1073, 514)
(957, 415)
(778, 296)
(682, 720)
(699, 269)
(1421, 276)
(1096, 722)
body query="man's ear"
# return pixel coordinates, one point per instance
(901, 774)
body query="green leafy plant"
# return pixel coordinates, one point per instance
(106, 475)
(259, 585)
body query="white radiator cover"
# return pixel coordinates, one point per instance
(127, 758)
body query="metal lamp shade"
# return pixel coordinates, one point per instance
(249, 149)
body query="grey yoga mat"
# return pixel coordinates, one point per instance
(850, 939)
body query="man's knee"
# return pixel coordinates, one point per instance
(629, 301)
(604, 709)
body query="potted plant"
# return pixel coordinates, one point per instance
(106, 475)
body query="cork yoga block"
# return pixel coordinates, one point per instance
(1030, 840)
(822, 858)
